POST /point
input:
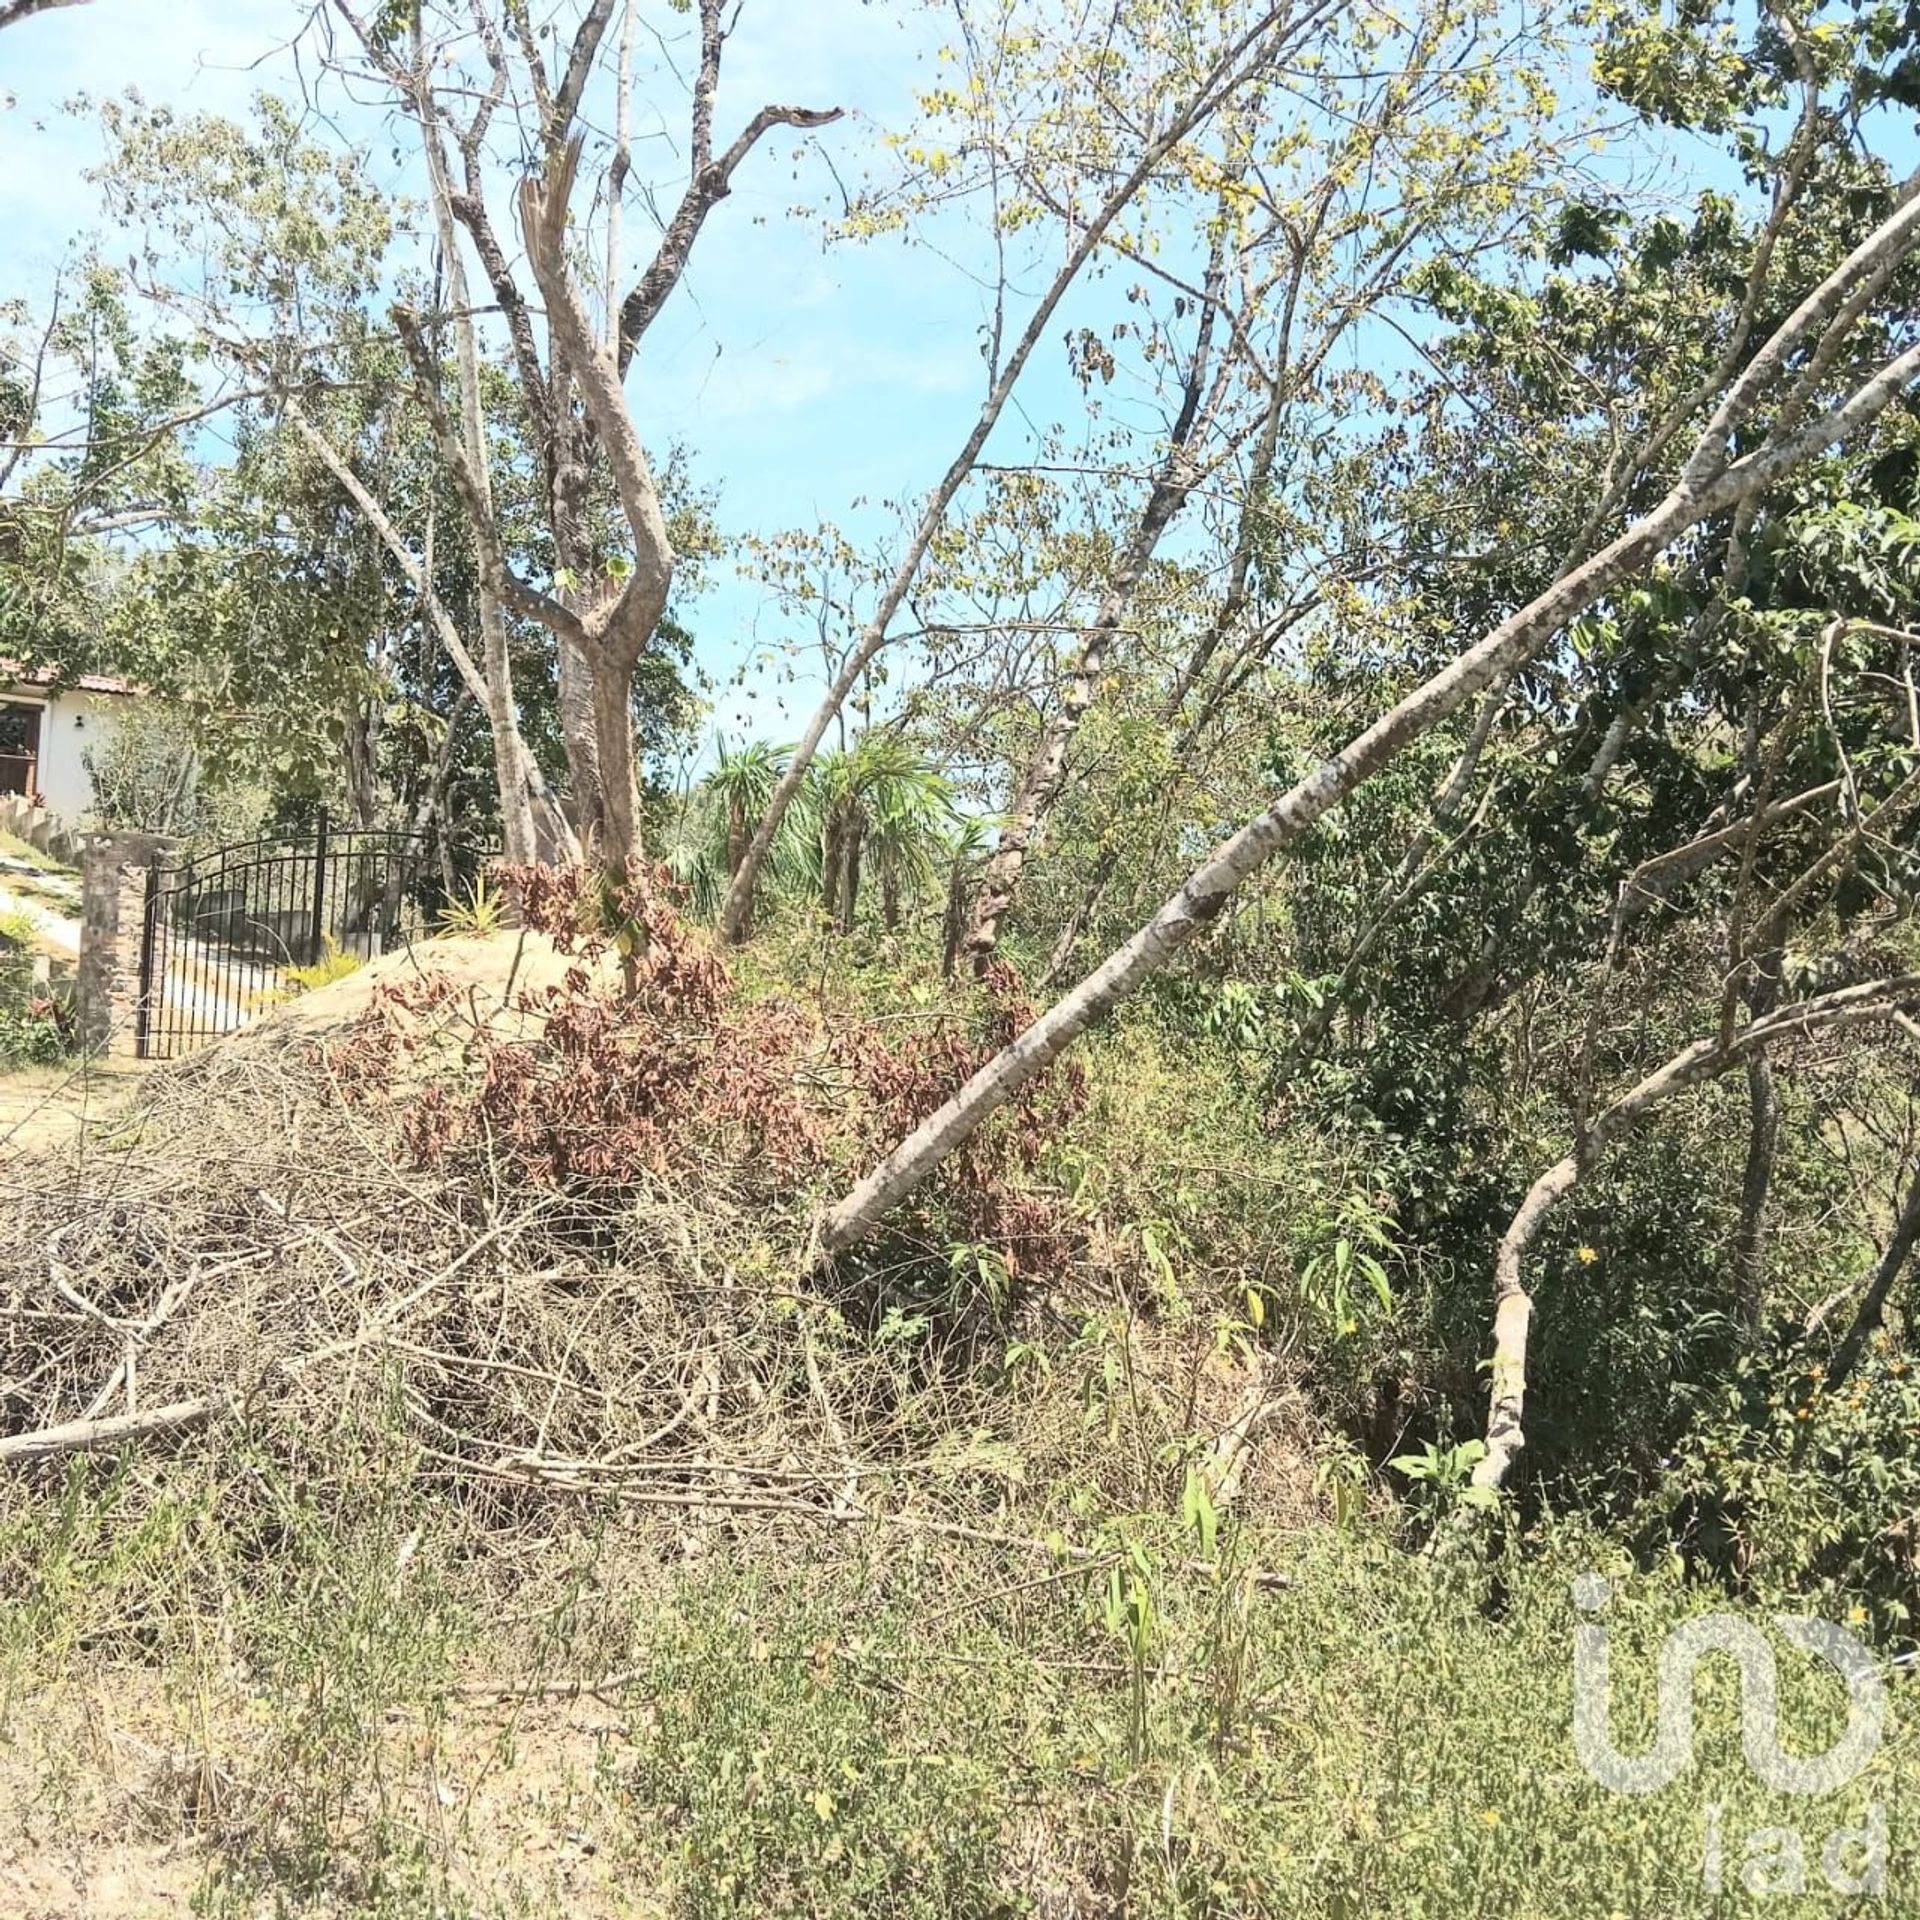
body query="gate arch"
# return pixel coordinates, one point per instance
(222, 929)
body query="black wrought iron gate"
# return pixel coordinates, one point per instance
(224, 931)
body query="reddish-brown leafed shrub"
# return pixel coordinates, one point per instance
(669, 1068)
(623, 1079)
(904, 1078)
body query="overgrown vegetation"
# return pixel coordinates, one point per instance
(36, 1025)
(1032, 1299)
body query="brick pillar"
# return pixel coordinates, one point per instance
(113, 908)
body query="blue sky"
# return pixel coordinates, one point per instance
(804, 378)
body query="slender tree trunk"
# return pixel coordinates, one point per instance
(736, 834)
(579, 719)
(1873, 1303)
(854, 846)
(1251, 655)
(1763, 1135)
(1233, 70)
(525, 814)
(1045, 777)
(833, 846)
(954, 924)
(1172, 486)
(1069, 937)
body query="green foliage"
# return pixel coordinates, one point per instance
(36, 1024)
(335, 963)
(1393, 1744)
(1346, 1262)
(148, 777)
(1441, 1476)
(1801, 1494)
(782, 1777)
(481, 909)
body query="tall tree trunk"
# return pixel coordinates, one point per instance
(736, 834)
(1236, 67)
(850, 871)
(618, 827)
(1173, 484)
(526, 822)
(360, 748)
(1046, 771)
(833, 849)
(579, 719)
(953, 925)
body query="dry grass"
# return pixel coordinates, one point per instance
(367, 1622)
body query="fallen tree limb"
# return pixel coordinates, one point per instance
(89, 1436)
(1711, 482)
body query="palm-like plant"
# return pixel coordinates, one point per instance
(969, 841)
(881, 811)
(873, 809)
(708, 837)
(741, 786)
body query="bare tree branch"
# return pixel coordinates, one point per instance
(12, 12)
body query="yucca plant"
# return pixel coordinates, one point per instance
(335, 963)
(482, 908)
(875, 809)
(968, 842)
(707, 839)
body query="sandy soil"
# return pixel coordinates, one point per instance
(110, 1809)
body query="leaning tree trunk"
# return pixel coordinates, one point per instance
(1045, 777)
(1173, 485)
(1233, 70)
(1711, 482)
(1873, 1303)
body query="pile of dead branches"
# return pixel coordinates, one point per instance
(254, 1242)
(251, 1246)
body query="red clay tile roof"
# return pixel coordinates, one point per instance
(12, 671)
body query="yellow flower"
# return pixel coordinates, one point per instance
(1587, 1255)
(1491, 1818)
(1856, 1616)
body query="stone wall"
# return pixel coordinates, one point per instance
(42, 828)
(113, 902)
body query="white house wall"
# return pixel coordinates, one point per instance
(72, 724)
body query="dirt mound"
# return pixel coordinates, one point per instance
(495, 973)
